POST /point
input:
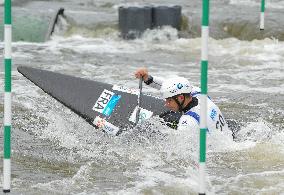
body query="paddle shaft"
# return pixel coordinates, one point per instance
(139, 100)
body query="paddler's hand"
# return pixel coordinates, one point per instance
(142, 73)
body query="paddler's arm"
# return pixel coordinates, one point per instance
(155, 82)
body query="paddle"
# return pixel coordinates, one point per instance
(139, 100)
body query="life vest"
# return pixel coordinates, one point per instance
(215, 119)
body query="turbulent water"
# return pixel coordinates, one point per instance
(54, 151)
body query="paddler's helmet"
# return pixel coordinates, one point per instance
(175, 86)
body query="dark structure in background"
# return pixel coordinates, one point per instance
(133, 21)
(163, 15)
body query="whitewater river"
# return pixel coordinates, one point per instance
(54, 151)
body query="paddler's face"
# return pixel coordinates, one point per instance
(171, 104)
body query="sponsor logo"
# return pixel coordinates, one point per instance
(184, 122)
(213, 114)
(106, 102)
(143, 115)
(179, 86)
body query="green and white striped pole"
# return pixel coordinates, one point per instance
(203, 98)
(262, 9)
(7, 97)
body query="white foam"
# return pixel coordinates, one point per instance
(57, 130)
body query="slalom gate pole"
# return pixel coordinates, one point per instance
(7, 97)
(203, 83)
(262, 9)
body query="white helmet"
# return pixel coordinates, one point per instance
(175, 86)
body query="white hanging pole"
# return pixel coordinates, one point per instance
(7, 97)
(203, 110)
(262, 10)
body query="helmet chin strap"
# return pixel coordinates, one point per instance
(180, 104)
